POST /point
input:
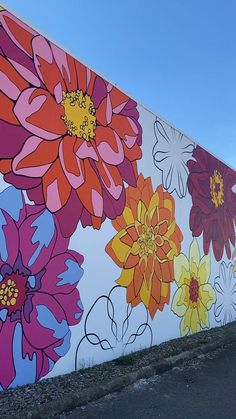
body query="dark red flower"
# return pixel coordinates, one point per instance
(213, 213)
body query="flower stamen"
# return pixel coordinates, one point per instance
(8, 293)
(80, 114)
(217, 189)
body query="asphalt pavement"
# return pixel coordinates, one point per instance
(202, 388)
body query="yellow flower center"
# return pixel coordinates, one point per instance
(8, 293)
(79, 114)
(147, 241)
(217, 189)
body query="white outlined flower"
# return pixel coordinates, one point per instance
(170, 153)
(225, 287)
(111, 325)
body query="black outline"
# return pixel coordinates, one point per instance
(164, 134)
(219, 281)
(114, 329)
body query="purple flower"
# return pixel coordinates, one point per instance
(38, 295)
(211, 185)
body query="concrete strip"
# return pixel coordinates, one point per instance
(73, 401)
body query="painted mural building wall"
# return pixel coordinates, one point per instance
(117, 231)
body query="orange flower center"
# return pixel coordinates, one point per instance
(80, 114)
(217, 189)
(194, 290)
(147, 241)
(8, 293)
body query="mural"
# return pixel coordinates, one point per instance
(86, 170)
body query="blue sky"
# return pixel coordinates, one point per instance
(176, 57)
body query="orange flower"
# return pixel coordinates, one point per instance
(148, 238)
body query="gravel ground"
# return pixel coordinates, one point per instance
(13, 402)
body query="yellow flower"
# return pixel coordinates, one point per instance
(194, 296)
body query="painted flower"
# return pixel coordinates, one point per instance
(68, 137)
(120, 330)
(213, 213)
(148, 238)
(171, 152)
(38, 295)
(225, 286)
(194, 296)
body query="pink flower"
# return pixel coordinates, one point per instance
(38, 295)
(71, 139)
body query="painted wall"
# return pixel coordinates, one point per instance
(117, 231)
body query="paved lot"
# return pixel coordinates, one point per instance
(201, 388)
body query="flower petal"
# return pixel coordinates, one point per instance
(11, 83)
(99, 90)
(66, 65)
(7, 371)
(37, 239)
(104, 111)
(118, 250)
(118, 100)
(36, 157)
(19, 59)
(181, 269)
(207, 295)
(186, 322)
(85, 150)
(179, 306)
(27, 74)
(20, 182)
(203, 315)
(72, 165)
(62, 275)
(56, 188)
(111, 178)
(6, 110)
(90, 192)
(12, 138)
(195, 321)
(128, 171)
(47, 324)
(20, 33)
(82, 76)
(46, 66)
(24, 364)
(126, 277)
(126, 128)
(32, 109)
(9, 247)
(204, 269)
(12, 200)
(73, 304)
(69, 215)
(109, 145)
(194, 258)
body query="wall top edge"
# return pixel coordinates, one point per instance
(144, 106)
